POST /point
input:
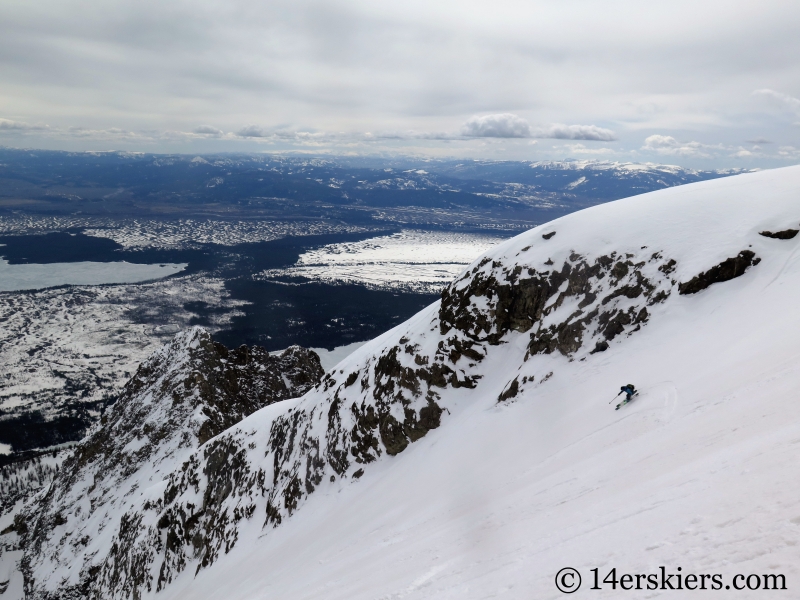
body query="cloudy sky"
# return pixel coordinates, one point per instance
(700, 83)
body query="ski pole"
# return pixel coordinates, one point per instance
(615, 397)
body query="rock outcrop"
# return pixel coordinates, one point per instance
(786, 234)
(728, 269)
(562, 308)
(188, 392)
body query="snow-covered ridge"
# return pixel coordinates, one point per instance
(184, 394)
(623, 167)
(531, 326)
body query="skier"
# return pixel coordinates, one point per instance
(630, 392)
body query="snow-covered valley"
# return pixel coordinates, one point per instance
(474, 451)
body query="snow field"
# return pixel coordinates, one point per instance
(699, 472)
(416, 260)
(34, 277)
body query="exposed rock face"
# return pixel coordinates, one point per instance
(180, 503)
(786, 234)
(724, 271)
(561, 308)
(198, 516)
(186, 393)
(263, 468)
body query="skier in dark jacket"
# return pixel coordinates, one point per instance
(629, 391)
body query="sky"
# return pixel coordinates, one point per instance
(700, 83)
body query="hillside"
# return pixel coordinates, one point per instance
(186, 393)
(220, 235)
(473, 452)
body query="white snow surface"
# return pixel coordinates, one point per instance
(35, 276)
(418, 260)
(330, 358)
(699, 472)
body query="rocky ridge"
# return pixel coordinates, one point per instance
(258, 473)
(186, 393)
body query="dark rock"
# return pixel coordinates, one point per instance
(620, 270)
(725, 271)
(392, 435)
(629, 291)
(547, 236)
(667, 267)
(351, 379)
(517, 302)
(786, 234)
(510, 392)
(616, 325)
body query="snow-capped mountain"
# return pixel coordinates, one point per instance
(186, 393)
(474, 451)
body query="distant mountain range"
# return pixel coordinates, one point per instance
(361, 191)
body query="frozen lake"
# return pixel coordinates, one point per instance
(415, 260)
(35, 276)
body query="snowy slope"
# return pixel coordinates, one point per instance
(187, 392)
(472, 452)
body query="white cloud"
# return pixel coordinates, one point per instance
(9, 125)
(581, 149)
(789, 152)
(576, 132)
(115, 134)
(784, 99)
(668, 145)
(504, 125)
(656, 142)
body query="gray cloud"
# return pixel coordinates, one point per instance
(300, 67)
(9, 125)
(208, 130)
(507, 125)
(785, 99)
(503, 125)
(252, 131)
(576, 132)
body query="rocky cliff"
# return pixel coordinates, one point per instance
(185, 394)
